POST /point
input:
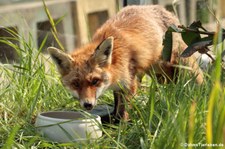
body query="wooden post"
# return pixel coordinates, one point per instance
(192, 10)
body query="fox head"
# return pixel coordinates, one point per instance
(85, 74)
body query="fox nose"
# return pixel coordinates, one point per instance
(88, 106)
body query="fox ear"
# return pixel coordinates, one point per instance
(103, 53)
(62, 60)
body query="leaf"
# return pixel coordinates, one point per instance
(167, 45)
(174, 28)
(190, 37)
(198, 46)
(196, 25)
(209, 37)
(168, 42)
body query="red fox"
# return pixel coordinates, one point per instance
(123, 49)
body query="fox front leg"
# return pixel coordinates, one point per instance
(120, 107)
(122, 100)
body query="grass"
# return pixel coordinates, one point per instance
(163, 116)
(166, 116)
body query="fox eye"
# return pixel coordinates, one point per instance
(95, 82)
(75, 84)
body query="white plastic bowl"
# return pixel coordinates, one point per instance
(61, 126)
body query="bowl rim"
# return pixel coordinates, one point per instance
(93, 117)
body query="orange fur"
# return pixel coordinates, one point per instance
(135, 34)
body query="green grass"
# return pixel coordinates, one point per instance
(163, 116)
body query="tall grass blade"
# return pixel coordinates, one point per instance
(10, 141)
(215, 95)
(191, 124)
(53, 30)
(34, 102)
(49, 17)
